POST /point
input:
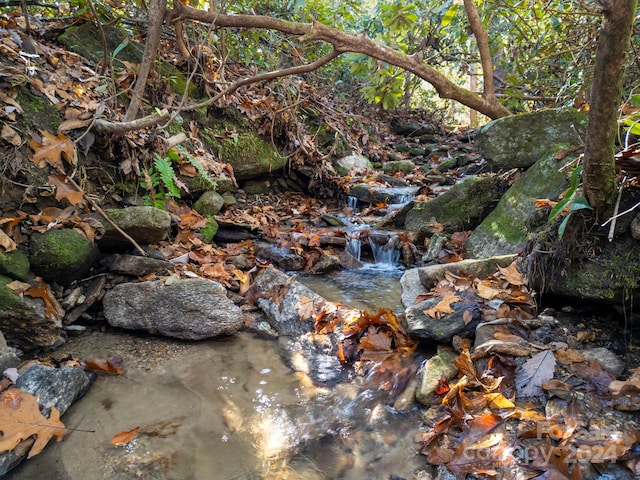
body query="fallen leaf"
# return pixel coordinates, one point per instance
(52, 150)
(124, 437)
(512, 274)
(443, 307)
(51, 306)
(65, 189)
(115, 365)
(20, 418)
(7, 244)
(8, 134)
(535, 372)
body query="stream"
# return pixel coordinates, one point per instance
(230, 409)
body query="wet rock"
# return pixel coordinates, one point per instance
(257, 186)
(284, 259)
(402, 166)
(608, 360)
(303, 354)
(519, 141)
(463, 206)
(432, 371)
(144, 224)
(61, 256)
(333, 221)
(25, 322)
(505, 230)
(209, 203)
(424, 327)
(327, 263)
(480, 268)
(138, 266)
(354, 164)
(411, 129)
(436, 244)
(277, 295)
(54, 387)
(14, 264)
(377, 193)
(411, 287)
(348, 261)
(189, 309)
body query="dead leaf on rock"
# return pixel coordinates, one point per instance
(535, 372)
(6, 243)
(124, 437)
(20, 418)
(512, 274)
(443, 307)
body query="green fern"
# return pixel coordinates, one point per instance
(165, 170)
(197, 165)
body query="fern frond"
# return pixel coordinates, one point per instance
(165, 170)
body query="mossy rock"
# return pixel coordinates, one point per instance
(403, 166)
(506, 229)
(463, 206)
(518, 141)
(209, 203)
(86, 40)
(39, 112)
(61, 256)
(15, 264)
(248, 154)
(144, 224)
(210, 230)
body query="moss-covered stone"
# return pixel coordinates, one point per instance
(14, 264)
(61, 256)
(39, 113)
(248, 154)
(431, 374)
(504, 230)
(209, 203)
(144, 224)
(518, 141)
(463, 206)
(404, 166)
(210, 230)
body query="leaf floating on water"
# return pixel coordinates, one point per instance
(535, 372)
(124, 437)
(115, 365)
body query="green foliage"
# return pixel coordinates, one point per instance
(631, 122)
(570, 203)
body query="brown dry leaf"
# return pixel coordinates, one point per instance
(124, 437)
(72, 124)
(8, 134)
(52, 308)
(487, 291)
(443, 307)
(115, 365)
(65, 189)
(20, 418)
(6, 243)
(52, 150)
(568, 356)
(512, 274)
(305, 307)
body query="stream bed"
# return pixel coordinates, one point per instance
(230, 409)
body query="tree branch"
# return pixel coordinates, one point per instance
(482, 39)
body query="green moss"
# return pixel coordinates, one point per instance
(39, 113)
(58, 247)
(15, 264)
(9, 300)
(210, 230)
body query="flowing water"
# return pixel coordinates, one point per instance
(231, 409)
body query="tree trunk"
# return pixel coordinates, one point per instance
(599, 175)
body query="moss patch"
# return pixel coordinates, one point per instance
(39, 113)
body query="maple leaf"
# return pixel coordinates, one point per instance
(443, 307)
(534, 372)
(52, 150)
(20, 418)
(64, 189)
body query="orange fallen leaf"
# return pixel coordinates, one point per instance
(443, 306)
(124, 437)
(65, 189)
(20, 418)
(52, 149)
(115, 365)
(512, 274)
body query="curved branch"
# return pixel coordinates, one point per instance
(345, 42)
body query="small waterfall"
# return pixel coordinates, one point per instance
(403, 199)
(352, 202)
(354, 246)
(385, 254)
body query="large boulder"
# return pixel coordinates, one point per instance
(189, 309)
(144, 224)
(505, 230)
(463, 206)
(27, 322)
(61, 256)
(518, 141)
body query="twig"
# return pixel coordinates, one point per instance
(621, 214)
(612, 228)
